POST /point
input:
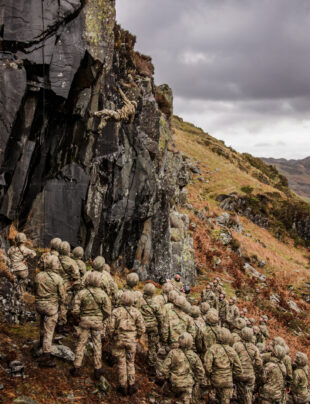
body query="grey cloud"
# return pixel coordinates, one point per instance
(234, 65)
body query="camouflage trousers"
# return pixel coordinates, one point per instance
(124, 353)
(224, 394)
(89, 326)
(64, 308)
(182, 395)
(152, 345)
(245, 391)
(22, 279)
(48, 320)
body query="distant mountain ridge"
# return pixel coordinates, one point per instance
(296, 171)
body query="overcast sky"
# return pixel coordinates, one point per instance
(239, 69)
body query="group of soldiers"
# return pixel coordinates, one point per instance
(203, 350)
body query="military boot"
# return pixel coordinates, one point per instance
(98, 373)
(122, 390)
(132, 389)
(75, 372)
(46, 361)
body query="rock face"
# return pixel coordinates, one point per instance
(106, 182)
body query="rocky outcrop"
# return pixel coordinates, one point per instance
(107, 182)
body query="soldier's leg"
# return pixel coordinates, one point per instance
(64, 310)
(119, 353)
(22, 277)
(41, 328)
(186, 396)
(244, 393)
(225, 395)
(130, 360)
(80, 348)
(49, 328)
(96, 340)
(153, 341)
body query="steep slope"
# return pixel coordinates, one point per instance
(297, 173)
(246, 185)
(266, 269)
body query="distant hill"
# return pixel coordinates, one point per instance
(297, 173)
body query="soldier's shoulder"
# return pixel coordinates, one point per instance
(12, 249)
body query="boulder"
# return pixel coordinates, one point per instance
(253, 272)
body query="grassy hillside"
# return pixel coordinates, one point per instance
(282, 258)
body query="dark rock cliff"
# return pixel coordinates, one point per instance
(108, 182)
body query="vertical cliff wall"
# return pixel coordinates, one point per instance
(108, 182)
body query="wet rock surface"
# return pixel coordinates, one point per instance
(107, 184)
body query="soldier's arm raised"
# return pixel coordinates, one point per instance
(75, 275)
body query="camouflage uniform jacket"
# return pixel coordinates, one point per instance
(177, 286)
(232, 313)
(107, 284)
(91, 302)
(168, 306)
(49, 288)
(161, 299)
(249, 357)
(137, 295)
(221, 363)
(45, 256)
(211, 334)
(273, 379)
(17, 255)
(299, 385)
(82, 267)
(69, 271)
(209, 297)
(222, 308)
(286, 362)
(126, 324)
(183, 368)
(176, 323)
(152, 314)
(264, 331)
(201, 336)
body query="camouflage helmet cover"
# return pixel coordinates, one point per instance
(64, 248)
(127, 298)
(98, 263)
(20, 238)
(149, 289)
(132, 279)
(205, 307)
(78, 252)
(55, 243)
(212, 316)
(185, 340)
(247, 334)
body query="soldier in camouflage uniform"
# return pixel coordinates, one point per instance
(153, 319)
(264, 333)
(222, 309)
(299, 387)
(77, 255)
(162, 299)
(200, 344)
(92, 305)
(222, 364)
(251, 322)
(125, 328)
(212, 327)
(170, 305)
(209, 296)
(286, 361)
(251, 362)
(49, 294)
(273, 378)
(243, 314)
(232, 313)
(54, 250)
(69, 271)
(176, 323)
(177, 284)
(182, 368)
(107, 283)
(238, 325)
(204, 308)
(132, 280)
(217, 287)
(18, 255)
